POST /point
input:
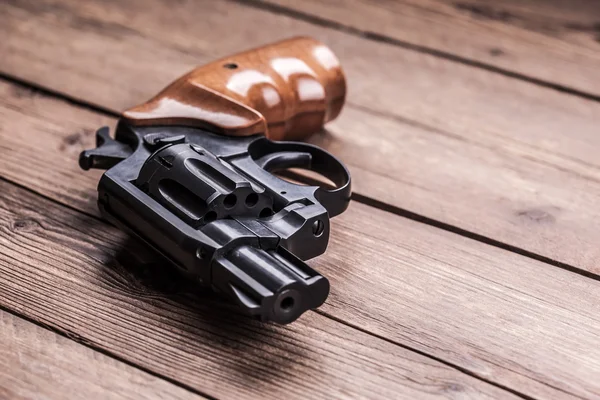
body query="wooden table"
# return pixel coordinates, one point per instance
(468, 265)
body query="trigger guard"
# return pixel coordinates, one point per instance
(268, 154)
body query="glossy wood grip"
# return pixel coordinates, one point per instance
(286, 90)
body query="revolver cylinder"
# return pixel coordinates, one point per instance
(192, 183)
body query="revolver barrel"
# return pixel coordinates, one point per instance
(272, 285)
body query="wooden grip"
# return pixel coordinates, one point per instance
(286, 90)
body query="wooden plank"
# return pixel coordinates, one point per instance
(553, 41)
(81, 276)
(36, 363)
(500, 316)
(495, 156)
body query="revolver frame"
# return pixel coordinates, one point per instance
(211, 206)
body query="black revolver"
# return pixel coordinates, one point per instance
(190, 172)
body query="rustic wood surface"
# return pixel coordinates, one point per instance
(419, 281)
(36, 363)
(498, 158)
(506, 305)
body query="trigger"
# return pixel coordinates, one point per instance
(285, 159)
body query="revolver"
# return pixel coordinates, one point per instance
(191, 172)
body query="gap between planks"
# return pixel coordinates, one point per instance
(382, 38)
(24, 322)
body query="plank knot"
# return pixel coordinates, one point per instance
(536, 215)
(25, 224)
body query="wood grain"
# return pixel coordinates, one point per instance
(82, 277)
(553, 41)
(492, 155)
(285, 90)
(502, 317)
(36, 363)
